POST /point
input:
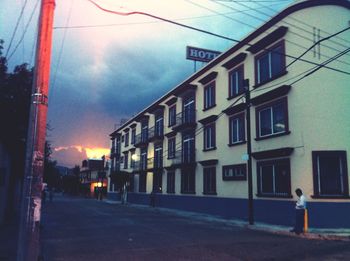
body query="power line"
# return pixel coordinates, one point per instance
(292, 25)
(25, 31)
(202, 31)
(303, 75)
(150, 22)
(62, 45)
(16, 26)
(316, 43)
(306, 24)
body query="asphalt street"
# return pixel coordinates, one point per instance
(86, 229)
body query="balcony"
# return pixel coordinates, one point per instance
(185, 120)
(156, 133)
(182, 159)
(141, 139)
(142, 165)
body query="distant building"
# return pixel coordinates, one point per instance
(93, 175)
(190, 146)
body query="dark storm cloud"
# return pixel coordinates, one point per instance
(139, 75)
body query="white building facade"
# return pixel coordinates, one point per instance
(190, 146)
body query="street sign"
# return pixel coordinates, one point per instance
(199, 54)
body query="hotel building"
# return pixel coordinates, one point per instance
(190, 146)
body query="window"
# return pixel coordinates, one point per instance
(126, 160)
(188, 180)
(209, 137)
(171, 147)
(132, 159)
(236, 87)
(270, 64)
(142, 182)
(144, 132)
(143, 160)
(172, 115)
(158, 156)
(272, 118)
(127, 139)
(209, 96)
(133, 136)
(117, 144)
(274, 178)
(234, 172)
(188, 114)
(159, 126)
(131, 183)
(157, 181)
(170, 182)
(209, 180)
(330, 173)
(237, 129)
(188, 153)
(122, 138)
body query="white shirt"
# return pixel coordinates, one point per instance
(301, 203)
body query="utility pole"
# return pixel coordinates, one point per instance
(249, 152)
(29, 232)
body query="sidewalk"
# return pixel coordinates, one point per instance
(313, 233)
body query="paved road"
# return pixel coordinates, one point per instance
(86, 229)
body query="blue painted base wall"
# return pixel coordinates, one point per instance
(277, 212)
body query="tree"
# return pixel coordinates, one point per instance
(15, 96)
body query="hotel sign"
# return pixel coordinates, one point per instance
(199, 54)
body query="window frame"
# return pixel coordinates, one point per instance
(268, 51)
(270, 104)
(239, 116)
(343, 168)
(209, 95)
(170, 185)
(209, 176)
(172, 115)
(171, 150)
(234, 168)
(188, 180)
(209, 129)
(274, 163)
(239, 70)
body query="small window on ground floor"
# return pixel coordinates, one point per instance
(209, 180)
(330, 173)
(157, 181)
(170, 182)
(188, 180)
(273, 178)
(142, 182)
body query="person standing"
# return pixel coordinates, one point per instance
(300, 207)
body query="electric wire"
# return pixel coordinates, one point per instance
(202, 31)
(16, 26)
(25, 30)
(308, 25)
(150, 22)
(303, 47)
(316, 43)
(303, 75)
(62, 45)
(292, 25)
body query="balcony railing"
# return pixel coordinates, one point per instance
(181, 158)
(143, 165)
(156, 132)
(185, 119)
(141, 139)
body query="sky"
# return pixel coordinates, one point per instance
(107, 67)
